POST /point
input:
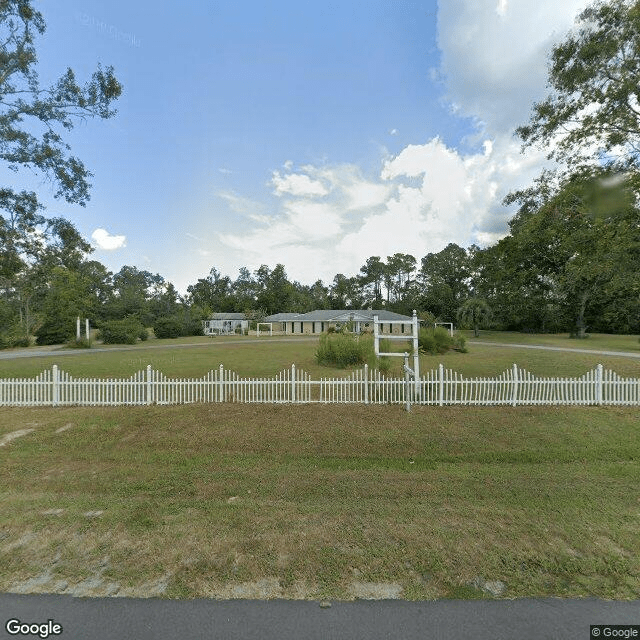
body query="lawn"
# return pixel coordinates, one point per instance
(193, 357)
(596, 341)
(321, 501)
(318, 501)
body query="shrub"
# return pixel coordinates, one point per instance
(125, 331)
(83, 343)
(193, 328)
(459, 343)
(427, 342)
(435, 341)
(168, 327)
(383, 365)
(54, 333)
(7, 341)
(343, 349)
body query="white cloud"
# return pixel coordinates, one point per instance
(238, 203)
(105, 241)
(297, 184)
(423, 198)
(495, 56)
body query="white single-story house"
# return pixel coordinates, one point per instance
(225, 324)
(320, 320)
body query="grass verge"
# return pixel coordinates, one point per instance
(321, 501)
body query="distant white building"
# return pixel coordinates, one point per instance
(225, 324)
(320, 320)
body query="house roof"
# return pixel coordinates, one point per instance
(227, 316)
(282, 317)
(344, 315)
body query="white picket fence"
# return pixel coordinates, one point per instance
(438, 387)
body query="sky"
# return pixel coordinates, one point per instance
(311, 134)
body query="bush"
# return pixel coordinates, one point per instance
(343, 350)
(193, 328)
(54, 333)
(83, 343)
(459, 343)
(8, 341)
(125, 331)
(435, 341)
(383, 365)
(168, 328)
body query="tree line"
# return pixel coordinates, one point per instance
(570, 262)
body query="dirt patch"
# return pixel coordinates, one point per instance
(66, 426)
(376, 590)
(23, 540)
(8, 437)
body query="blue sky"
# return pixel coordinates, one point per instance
(314, 134)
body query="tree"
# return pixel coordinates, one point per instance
(131, 294)
(24, 101)
(213, 293)
(594, 109)
(346, 293)
(582, 240)
(397, 274)
(450, 267)
(30, 120)
(474, 312)
(244, 290)
(373, 275)
(276, 293)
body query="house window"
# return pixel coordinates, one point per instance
(402, 328)
(313, 327)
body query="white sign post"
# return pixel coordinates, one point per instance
(415, 372)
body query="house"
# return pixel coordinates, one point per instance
(321, 320)
(225, 324)
(281, 322)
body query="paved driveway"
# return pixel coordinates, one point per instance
(624, 354)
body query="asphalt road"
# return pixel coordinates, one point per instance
(155, 619)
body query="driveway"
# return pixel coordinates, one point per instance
(624, 354)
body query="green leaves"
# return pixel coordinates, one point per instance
(593, 113)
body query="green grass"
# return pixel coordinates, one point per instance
(595, 341)
(194, 357)
(208, 498)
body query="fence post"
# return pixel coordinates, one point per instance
(514, 389)
(293, 383)
(599, 384)
(366, 383)
(440, 384)
(221, 384)
(407, 385)
(415, 328)
(56, 386)
(149, 387)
